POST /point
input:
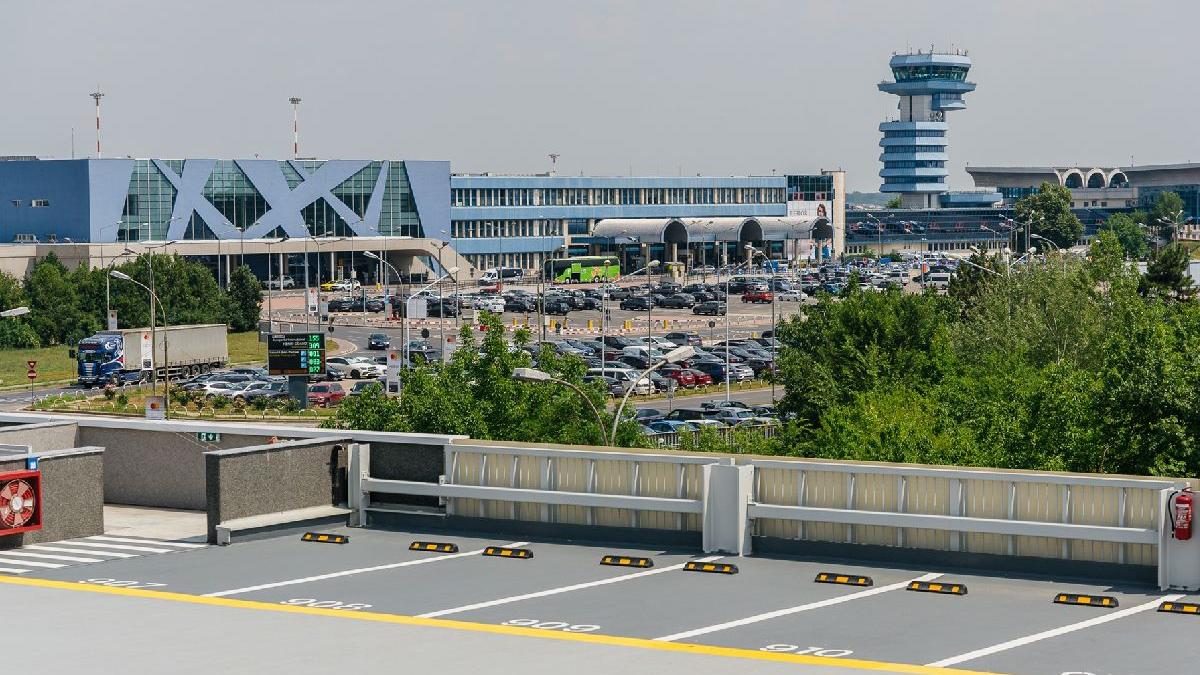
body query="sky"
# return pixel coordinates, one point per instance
(642, 87)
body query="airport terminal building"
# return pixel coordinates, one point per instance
(326, 213)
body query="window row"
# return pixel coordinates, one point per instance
(479, 229)
(612, 196)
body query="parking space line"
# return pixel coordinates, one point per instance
(155, 542)
(858, 665)
(561, 589)
(59, 549)
(119, 547)
(31, 563)
(360, 570)
(50, 556)
(766, 616)
(1052, 633)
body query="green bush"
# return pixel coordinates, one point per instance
(219, 402)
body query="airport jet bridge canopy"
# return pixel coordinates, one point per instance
(689, 230)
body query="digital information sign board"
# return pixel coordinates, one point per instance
(296, 353)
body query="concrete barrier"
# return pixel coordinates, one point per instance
(264, 479)
(72, 494)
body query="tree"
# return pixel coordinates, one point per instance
(1129, 233)
(11, 293)
(894, 202)
(978, 271)
(1048, 214)
(54, 311)
(1167, 274)
(188, 291)
(243, 300)
(1166, 213)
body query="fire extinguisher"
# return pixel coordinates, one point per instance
(1179, 510)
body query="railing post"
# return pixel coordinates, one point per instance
(956, 491)
(483, 467)
(1012, 514)
(850, 505)
(901, 506)
(726, 498)
(1066, 519)
(1121, 504)
(633, 490)
(516, 463)
(591, 487)
(358, 468)
(802, 485)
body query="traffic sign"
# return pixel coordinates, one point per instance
(32, 374)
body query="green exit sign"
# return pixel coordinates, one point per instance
(208, 437)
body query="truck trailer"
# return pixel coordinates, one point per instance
(120, 356)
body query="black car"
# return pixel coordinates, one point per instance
(677, 301)
(341, 305)
(611, 384)
(618, 342)
(638, 304)
(647, 415)
(273, 391)
(441, 308)
(378, 341)
(618, 293)
(519, 304)
(712, 308)
(559, 306)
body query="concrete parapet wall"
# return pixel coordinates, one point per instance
(72, 494)
(264, 479)
(53, 435)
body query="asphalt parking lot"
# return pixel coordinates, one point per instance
(770, 609)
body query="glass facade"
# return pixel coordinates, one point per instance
(151, 200)
(612, 196)
(810, 188)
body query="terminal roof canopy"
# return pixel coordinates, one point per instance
(690, 230)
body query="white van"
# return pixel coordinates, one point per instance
(625, 376)
(938, 279)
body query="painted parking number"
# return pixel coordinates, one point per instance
(812, 651)
(553, 625)
(325, 604)
(118, 583)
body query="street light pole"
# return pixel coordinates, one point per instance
(154, 302)
(673, 356)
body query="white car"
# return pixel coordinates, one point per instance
(354, 367)
(791, 296)
(492, 304)
(656, 342)
(222, 388)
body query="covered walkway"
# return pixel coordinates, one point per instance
(712, 239)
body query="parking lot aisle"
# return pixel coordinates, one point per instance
(359, 570)
(563, 589)
(1068, 629)
(992, 611)
(466, 580)
(651, 606)
(767, 616)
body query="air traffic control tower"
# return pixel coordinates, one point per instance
(929, 85)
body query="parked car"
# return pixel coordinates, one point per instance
(267, 390)
(281, 283)
(222, 388)
(636, 304)
(703, 379)
(757, 296)
(378, 341)
(491, 304)
(679, 374)
(325, 394)
(792, 296)
(363, 385)
(684, 339)
(686, 414)
(354, 367)
(678, 301)
(611, 384)
(557, 306)
(711, 308)
(647, 415)
(671, 427)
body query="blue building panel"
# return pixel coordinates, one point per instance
(58, 188)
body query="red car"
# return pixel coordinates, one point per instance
(702, 379)
(682, 376)
(757, 296)
(326, 394)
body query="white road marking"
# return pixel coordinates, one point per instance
(12, 570)
(1052, 633)
(119, 547)
(49, 556)
(561, 589)
(793, 610)
(155, 542)
(32, 563)
(59, 549)
(360, 570)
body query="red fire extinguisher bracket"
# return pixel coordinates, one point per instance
(20, 502)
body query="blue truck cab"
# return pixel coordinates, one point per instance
(101, 360)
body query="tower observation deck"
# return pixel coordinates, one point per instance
(928, 85)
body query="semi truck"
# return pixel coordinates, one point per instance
(121, 356)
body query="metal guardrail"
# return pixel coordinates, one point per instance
(1014, 513)
(556, 486)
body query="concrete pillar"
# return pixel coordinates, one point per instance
(727, 492)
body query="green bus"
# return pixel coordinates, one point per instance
(583, 268)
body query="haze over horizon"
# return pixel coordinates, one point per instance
(616, 88)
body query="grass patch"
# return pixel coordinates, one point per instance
(53, 364)
(245, 348)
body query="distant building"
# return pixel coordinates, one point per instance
(928, 84)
